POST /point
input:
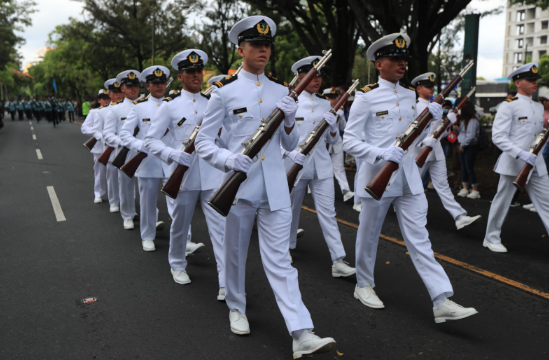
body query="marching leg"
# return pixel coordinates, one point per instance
(538, 188)
(297, 195)
(127, 199)
(216, 230)
(100, 181)
(112, 187)
(498, 213)
(148, 196)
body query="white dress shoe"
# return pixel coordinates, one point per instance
(300, 233)
(528, 206)
(180, 276)
(291, 258)
(221, 294)
(430, 186)
(114, 209)
(533, 210)
(465, 220)
(463, 193)
(309, 344)
(348, 195)
(193, 248)
(239, 323)
(452, 311)
(494, 247)
(357, 207)
(308, 190)
(368, 297)
(160, 225)
(342, 269)
(148, 245)
(97, 200)
(128, 224)
(474, 195)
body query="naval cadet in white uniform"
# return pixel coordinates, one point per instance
(240, 105)
(436, 161)
(383, 111)
(129, 84)
(317, 172)
(152, 172)
(99, 171)
(181, 113)
(113, 190)
(336, 150)
(518, 122)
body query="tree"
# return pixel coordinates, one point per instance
(544, 4)
(320, 25)
(14, 17)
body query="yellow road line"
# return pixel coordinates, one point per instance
(77, 122)
(461, 264)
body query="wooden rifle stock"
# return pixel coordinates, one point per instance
(224, 197)
(376, 187)
(535, 148)
(422, 157)
(132, 165)
(120, 159)
(104, 158)
(90, 143)
(291, 175)
(171, 187)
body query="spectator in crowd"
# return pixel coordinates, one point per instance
(468, 149)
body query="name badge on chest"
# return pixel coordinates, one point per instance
(240, 111)
(181, 122)
(146, 120)
(523, 118)
(380, 113)
(122, 119)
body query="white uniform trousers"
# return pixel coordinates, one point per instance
(127, 196)
(323, 196)
(357, 198)
(113, 190)
(439, 177)
(411, 211)
(182, 214)
(274, 235)
(148, 197)
(538, 190)
(339, 171)
(100, 177)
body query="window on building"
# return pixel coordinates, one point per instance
(544, 25)
(521, 15)
(529, 56)
(520, 43)
(541, 53)
(543, 40)
(531, 13)
(530, 41)
(520, 29)
(530, 27)
(518, 57)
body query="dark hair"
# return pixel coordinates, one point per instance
(467, 113)
(447, 103)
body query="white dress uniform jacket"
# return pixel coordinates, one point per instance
(516, 125)
(180, 114)
(338, 146)
(113, 124)
(310, 113)
(437, 153)
(241, 112)
(141, 115)
(387, 111)
(88, 129)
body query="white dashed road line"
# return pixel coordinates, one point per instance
(56, 205)
(32, 128)
(39, 154)
(33, 137)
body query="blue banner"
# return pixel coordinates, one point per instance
(54, 85)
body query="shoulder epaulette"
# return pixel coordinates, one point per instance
(227, 80)
(206, 96)
(101, 107)
(321, 96)
(273, 79)
(512, 99)
(538, 101)
(116, 103)
(140, 100)
(407, 86)
(369, 87)
(173, 96)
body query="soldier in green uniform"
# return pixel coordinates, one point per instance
(20, 109)
(12, 108)
(60, 110)
(69, 106)
(28, 109)
(47, 109)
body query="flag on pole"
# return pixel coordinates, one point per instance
(54, 85)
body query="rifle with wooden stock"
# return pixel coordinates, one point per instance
(314, 137)
(225, 196)
(376, 187)
(422, 157)
(535, 148)
(130, 167)
(120, 159)
(90, 143)
(171, 187)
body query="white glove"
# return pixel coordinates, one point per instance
(392, 153)
(297, 157)
(452, 117)
(181, 157)
(331, 119)
(528, 157)
(429, 141)
(289, 108)
(436, 110)
(143, 149)
(238, 162)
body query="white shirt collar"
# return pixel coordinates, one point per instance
(189, 94)
(155, 100)
(524, 97)
(422, 100)
(383, 82)
(252, 77)
(128, 101)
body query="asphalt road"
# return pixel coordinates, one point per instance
(48, 266)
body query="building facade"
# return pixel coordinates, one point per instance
(526, 36)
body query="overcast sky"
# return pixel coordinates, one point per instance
(56, 12)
